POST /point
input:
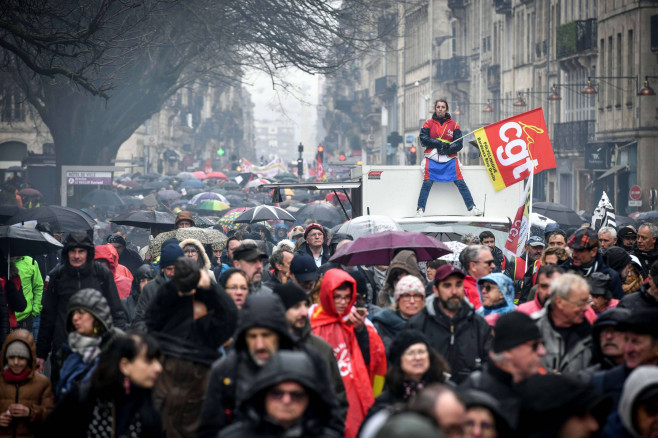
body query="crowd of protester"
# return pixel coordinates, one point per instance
(265, 336)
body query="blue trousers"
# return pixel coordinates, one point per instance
(461, 185)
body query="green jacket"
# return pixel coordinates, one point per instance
(32, 285)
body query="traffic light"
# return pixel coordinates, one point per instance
(412, 155)
(321, 152)
(300, 148)
(341, 157)
(220, 152)
(300, 167)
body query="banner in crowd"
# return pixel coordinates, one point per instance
(604, 214)
(320, 175)
(514, 148)
(518, 234)
(272, 168)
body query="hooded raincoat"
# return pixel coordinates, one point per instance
(641, 379)
(122, 276)
(333, 328)
(405, 260)
(506, 286)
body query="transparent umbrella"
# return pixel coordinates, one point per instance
(367, 225)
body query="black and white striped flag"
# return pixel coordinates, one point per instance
(604, 214)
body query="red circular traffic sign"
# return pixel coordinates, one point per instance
(635, 192)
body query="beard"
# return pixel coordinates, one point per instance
(452, 304)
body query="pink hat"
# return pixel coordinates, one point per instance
(408, 284)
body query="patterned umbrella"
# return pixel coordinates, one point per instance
(200, 174)
(208, 196)
(213, 205)
(228, 220)
(456, 248)
(203, 235)
(265, 213)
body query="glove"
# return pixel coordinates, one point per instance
(455, 147)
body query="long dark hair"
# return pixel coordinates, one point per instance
(107, 380)
(435, 374)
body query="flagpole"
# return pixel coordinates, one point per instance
(530, 181)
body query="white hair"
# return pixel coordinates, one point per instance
(611, 230)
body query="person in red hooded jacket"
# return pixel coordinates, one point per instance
(122, 276)
(357, 347)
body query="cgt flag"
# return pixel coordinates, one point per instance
(518, 234)
(320, 174)
(514, 148)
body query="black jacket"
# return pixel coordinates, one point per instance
(326, 252)
(170, 318)
(82, 406)
(231, 376)
(66, 280)
(464, 341)
(599, 266)
(641, 299)
(500, 385)
(131, 260)
(144, 301)
(130, 302)
(646, 258)
(285, 366)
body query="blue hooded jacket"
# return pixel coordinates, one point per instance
(506, 287)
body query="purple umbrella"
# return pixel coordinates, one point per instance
(208, 196)
(380, 248)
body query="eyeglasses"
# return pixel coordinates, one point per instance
(484, 425)
(489, 287)
(488, 262)
(295, 396)
(409, 297)
(535, 344)
(242, 288)
(346, 298)
(191, 251)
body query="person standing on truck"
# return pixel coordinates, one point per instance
(441, 163)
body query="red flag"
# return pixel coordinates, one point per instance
(319, 171)
(514, 148)
(518, 234)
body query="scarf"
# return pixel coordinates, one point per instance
(410, 388)
(10, 377)
(87, 347)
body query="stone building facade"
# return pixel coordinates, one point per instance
(492, 59)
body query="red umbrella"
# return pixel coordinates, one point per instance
(200, 174)
(216, 175)
(29, 192)
(380, 248)
(331, 196)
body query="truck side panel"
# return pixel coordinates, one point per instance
(393, 191)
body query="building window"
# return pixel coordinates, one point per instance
(12, 105)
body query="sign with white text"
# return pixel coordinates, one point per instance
(89, 178)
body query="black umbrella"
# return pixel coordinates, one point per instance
(647, 216)
(264, 213)
(24, 240)
(146, 219)
(61, 219)
(559, 213)
(7, 211)
(230, 185)
(322, 212)
(102, 198)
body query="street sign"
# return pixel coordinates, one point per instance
(89, 178)
(633, 203)
(635, 192)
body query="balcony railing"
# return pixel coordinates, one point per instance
(451, 69)
(573, 136)
(385, 85)
(503, 6)
(575, 37)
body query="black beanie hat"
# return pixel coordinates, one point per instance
(361, 283)
(616, 258)
(402, 341)
(513, 329)
(290, 294)
(187, 274)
